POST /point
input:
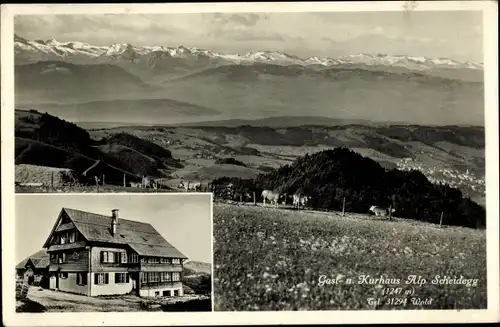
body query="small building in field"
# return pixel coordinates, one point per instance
(93, 254)
(34, 269)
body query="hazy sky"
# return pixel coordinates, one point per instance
(183, 220)
(452, 34)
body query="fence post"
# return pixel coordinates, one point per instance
(390, 212)
(254, 202)
(124, 181)
(441, 219)
(52, 180)
(343, 207)
(103, 179)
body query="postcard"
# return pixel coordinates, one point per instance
(256, 163)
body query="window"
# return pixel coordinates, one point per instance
(154, 277)
(176, 292)
(144, 277)
(81, 278)
(63, 275)
(153, 260)
(63, 239)
(121, 278)
(124, 257)
(111, 257)
(72, 237)
(101, 278)
(166, 293)
(176, 276)
(165, 276)
(61, 258)
(134, 258)
(157, 293)
(176, 261)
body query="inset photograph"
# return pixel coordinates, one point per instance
(110, 253)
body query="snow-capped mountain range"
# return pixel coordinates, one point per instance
(53, 50)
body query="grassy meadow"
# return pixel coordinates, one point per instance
(273, 259)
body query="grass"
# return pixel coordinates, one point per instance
(272, 259)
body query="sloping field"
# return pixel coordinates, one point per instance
(218, 171)
(275, 259)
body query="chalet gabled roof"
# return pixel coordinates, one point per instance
(141, 237)
(39, 259)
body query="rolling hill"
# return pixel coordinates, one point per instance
(199, 267)
(62, 81)
(445, 154)
(45, 140)
(264, 90)
(127, 111)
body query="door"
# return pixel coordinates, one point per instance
(137, 277)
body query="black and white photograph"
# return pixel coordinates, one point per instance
(262, 162)
(113, 253)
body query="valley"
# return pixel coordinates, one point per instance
(144, 150)
(172, 113)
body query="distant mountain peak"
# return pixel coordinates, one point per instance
(127, 51)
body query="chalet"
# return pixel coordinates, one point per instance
(34, 268)
(94, 255)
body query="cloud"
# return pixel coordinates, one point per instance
(250, 36)
(248, 20)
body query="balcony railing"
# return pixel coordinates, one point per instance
(158, 284)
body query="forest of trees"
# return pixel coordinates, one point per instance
(329, 176)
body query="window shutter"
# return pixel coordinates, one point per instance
(128, 278)
(96, 278)
(106, 278)
(77, 278)
(117, 278)
(102, 256)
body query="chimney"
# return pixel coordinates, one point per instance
(114, 221)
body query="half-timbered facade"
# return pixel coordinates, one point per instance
(94, 255)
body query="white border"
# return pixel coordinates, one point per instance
(490, 28)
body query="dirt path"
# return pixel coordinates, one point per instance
(66, 302)
(55, 301)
